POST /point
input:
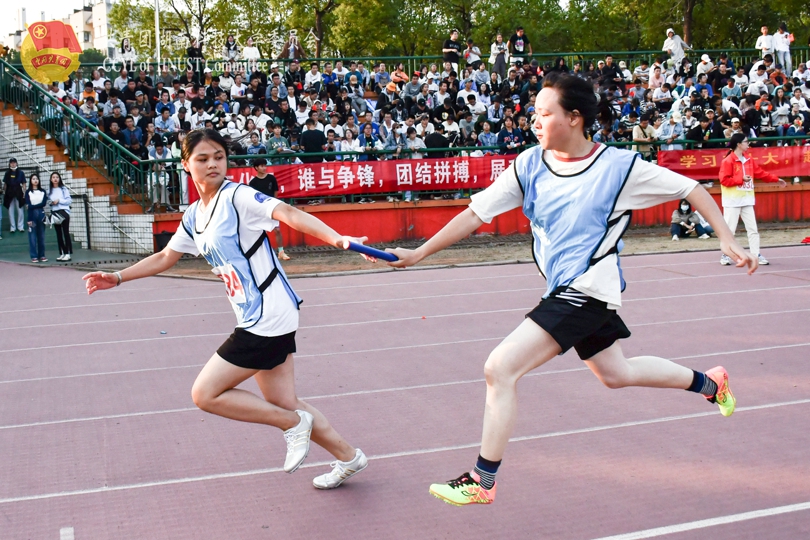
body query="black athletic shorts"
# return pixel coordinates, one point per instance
(250, 351)
(576, 320)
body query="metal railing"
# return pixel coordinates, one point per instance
(739, 57)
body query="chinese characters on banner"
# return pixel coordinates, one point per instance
(354, 178)
(705, 164)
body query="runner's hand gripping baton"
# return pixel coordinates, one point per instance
(371, 252)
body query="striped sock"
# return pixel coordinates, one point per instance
(702, 384)
(486, 469)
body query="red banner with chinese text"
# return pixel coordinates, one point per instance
(358, 177)
(705, 164)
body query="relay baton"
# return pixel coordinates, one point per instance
(371, 252)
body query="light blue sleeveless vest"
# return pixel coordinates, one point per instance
(218, 241)
(570, 215)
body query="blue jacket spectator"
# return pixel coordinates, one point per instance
(509, 138)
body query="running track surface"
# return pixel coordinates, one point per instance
(100, 439)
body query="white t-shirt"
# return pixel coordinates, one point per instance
(280, 315)
(781, 42)
(765, 44)
(238, 91)
(647, 185)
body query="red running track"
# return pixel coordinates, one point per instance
(100, 438)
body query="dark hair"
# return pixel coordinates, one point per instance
(259, 162)
(200, 135)
(736, 139)
(61, 184)
(687, 203)
(576, 94)
(30, 182)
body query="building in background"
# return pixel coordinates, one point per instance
(91, 23)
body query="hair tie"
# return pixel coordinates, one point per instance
(598, 97)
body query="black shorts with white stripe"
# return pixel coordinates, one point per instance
(576, 320)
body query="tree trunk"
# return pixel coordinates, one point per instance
(688, 9)
(318, 32)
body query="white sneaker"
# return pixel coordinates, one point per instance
(60, 257)
(48, 137)
(298, 442)
(341, 471)
(796, 180)
(66, 151)
(66, 257)
(704, 236)
(762, 260)
(675, 238)
(725, 260)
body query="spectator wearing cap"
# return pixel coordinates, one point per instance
(705, 65)
(388, 98)
(671, 131)
(627, 76)
(675, 47)
(736, 127)
(181, 120)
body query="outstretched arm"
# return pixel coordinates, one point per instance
(309, 224)
(150, 266)
(459, 227)
(701, 201)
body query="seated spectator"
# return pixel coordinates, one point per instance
(255, 147)
(510, 139)
(642, 72)
(671, 131)
(685, 222)
(662, 97)
(131, 132)
(796, 129)
(731, 90)
(604, 135)
(164, 124)
(399, 77)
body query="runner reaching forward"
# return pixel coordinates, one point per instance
(227, 226)
(579, 197)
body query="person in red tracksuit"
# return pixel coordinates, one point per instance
(737, 173)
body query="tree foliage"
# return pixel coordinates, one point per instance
(412, 27)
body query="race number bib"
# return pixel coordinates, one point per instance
(233, 285)
(747, 185)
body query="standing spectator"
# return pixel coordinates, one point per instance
(194, 54)
(250, 52)
(472, 54)
(230, 52)
(59, 201)
(765, 42)
(158, 181)
(644, 133)
(14, 195)
(519, 46)
(676, 47)
(452, 49)
(499, 56)
(36, 198)
(312, 141)
(781, 45)
(266, 183)
(737, 173)
(292, 49)
(126, 53)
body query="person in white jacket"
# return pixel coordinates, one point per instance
(764, 42)
(676, 47)
(781, 45)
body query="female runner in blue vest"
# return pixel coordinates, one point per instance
(578, 196)
(228, 227)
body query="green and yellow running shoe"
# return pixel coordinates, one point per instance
(464, 490)
(724, 398)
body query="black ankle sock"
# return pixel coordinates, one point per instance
(702, 384)
(486, 469)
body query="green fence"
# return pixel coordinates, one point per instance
(740, 57)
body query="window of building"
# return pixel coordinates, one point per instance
(86, 37)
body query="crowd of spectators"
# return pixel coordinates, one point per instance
(297, 109)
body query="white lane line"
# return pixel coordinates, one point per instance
(389, 390)
(715, 261)
(711, 522)
(119, 291)
(66, 533)
(538, 289)
(407, 453)
(117, 320)
(716, 293)
(362, 351)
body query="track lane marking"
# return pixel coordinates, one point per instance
(711, 522)
(392, 455)
(382, 390)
